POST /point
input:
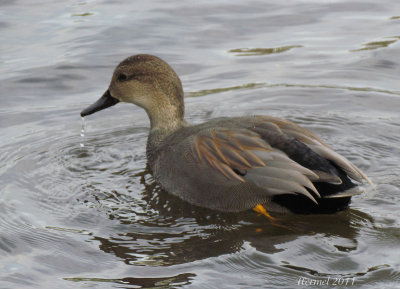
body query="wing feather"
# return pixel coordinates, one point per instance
(242, 155)
(318, 146)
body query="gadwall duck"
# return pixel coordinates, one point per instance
(230, 163)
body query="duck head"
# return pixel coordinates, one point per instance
(148, 82)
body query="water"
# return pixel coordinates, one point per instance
(83, 212)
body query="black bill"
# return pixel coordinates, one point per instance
(105, 101)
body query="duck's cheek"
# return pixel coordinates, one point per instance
(142, 101)
(125, 92)
(118, 93)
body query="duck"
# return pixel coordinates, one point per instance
(230, 164)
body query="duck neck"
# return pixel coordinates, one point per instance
(163, 122)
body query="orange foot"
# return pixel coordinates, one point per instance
(260, 209)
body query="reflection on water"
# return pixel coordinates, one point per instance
(175, 281)
(74, 216)
(379, 44)
(83, 14)
(261, 51)
(258, 85)
(218, 90)
(176, 232)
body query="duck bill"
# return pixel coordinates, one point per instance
(103, 102)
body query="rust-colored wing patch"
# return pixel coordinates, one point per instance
(292, 129)
(226, 151)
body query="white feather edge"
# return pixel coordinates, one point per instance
(354, 172)
(282, 175)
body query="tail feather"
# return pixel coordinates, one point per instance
(347, 193)
(334, 197)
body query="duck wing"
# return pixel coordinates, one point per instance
(277, 131)
(241, 156)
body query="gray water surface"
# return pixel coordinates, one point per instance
(92, 216)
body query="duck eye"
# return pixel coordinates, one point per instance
(122, 77)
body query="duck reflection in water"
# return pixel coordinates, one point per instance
(175, 232)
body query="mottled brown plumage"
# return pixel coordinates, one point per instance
(230, 164)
